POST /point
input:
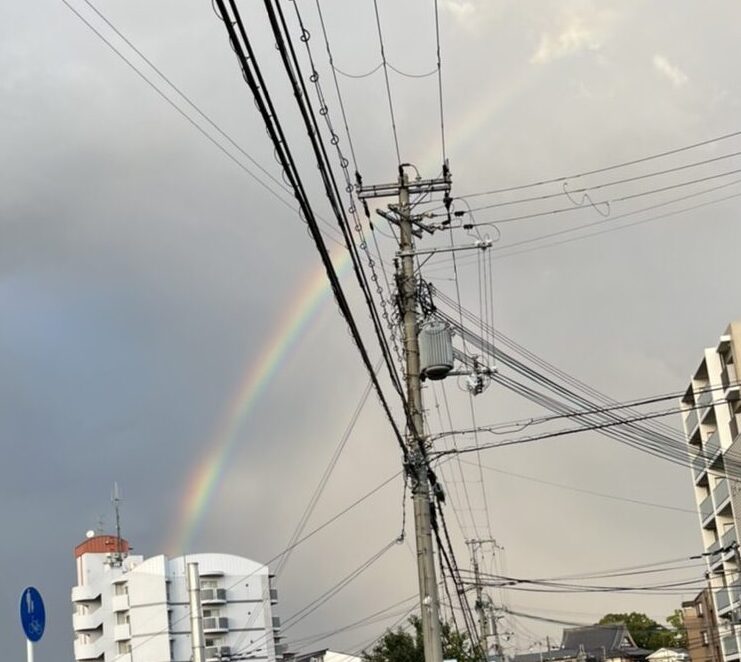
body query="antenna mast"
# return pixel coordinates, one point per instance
(116, 500)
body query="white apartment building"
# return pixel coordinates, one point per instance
(131, 609)
(712, 420)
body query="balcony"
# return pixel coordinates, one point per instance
(85, 593)
(712, 447)
(690, 422)
(706, 509)
(705, 398)
(212, 624)
(120, 602)
(698, 467)
(216, 653)
(722, 601)
(121, 632)
(89, 651)
(728, 537)
(82, 622)
(211, 596)
(721, 494)
(713, 548)
(730, 384)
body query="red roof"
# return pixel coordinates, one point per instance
(102, 545)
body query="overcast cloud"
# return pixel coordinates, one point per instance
(142, 273)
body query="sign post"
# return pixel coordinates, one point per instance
(33, 618)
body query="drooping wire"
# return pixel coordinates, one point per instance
(595, 171)
(349, 188)
(608, 202)
(195, 107)
(388, 84)
(603, 185)
(337, 84)
(254, 79)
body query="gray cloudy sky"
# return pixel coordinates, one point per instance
(142, 273)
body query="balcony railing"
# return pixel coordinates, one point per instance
(217, 653)
(690, 422)
(120, 602)
(213, 595)
(721, 493)
(706, 508)
(722, 600)
(729, 537)
(705, 398)
(215, 624)
(730, 645)
(698, 466)
(121, 632)
(85, 593)
(712, 446)
(91, 621)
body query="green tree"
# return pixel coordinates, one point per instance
(676, 620)
(402, 646)
(647, 633)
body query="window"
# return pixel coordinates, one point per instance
(124, 647)
(699, 609)
(705, 639)
(122, 618)
(209, 583)
(122, 588)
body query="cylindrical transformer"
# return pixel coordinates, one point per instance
(435, 350)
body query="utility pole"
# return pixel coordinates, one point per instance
(417, 469)
(482, 604)
(196, 615)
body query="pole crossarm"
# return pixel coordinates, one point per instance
(436, 185)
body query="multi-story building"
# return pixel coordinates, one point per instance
(128, 608)
(712, 419)
(698, 616)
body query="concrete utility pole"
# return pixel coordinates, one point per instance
(482, 604)
(417, 469)
(407, 283)
(196, 617)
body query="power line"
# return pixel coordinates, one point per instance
(440, 80)
(192, 104)
(504, 251)
(623, 227)
(594, 204)
(597, 187)
(556, 180)
(581, 490)
(280, 554)
(319, 489)
(253, 77)
(388, 84)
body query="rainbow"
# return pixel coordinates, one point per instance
(207, 474)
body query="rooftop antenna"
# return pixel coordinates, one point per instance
(116, 500)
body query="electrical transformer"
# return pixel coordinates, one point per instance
(435, 350)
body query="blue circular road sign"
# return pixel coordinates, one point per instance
(33, 615)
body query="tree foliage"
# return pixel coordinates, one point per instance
(647, 633)
(402, 646)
